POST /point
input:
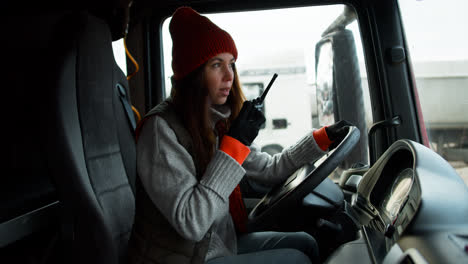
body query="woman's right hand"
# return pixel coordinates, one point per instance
(247, 124)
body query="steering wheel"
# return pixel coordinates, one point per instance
(291, 192)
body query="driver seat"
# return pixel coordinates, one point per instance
(91, 145)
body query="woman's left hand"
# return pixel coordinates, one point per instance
(337, 132)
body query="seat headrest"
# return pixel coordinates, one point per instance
(117, 16)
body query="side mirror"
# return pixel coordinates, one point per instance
(339, 91)
(324, 83)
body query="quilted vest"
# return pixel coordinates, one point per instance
(153, 239)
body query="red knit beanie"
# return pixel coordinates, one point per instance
(195, 40)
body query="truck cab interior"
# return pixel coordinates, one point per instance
(384, 195)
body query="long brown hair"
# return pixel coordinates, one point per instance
(190, 98)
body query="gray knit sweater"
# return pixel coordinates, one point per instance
(193, 206)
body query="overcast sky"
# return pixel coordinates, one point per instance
(435, 30)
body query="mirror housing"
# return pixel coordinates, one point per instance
(339, 90)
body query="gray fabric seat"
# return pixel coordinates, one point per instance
(91, 145)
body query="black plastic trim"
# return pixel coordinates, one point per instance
(24, 225)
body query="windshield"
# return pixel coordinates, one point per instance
(437, 41)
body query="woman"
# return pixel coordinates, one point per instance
(194, 149)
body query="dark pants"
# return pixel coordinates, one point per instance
(273, 247)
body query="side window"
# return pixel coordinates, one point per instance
(119, 54)
(437, 41)
(284, 41)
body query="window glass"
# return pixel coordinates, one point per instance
(281, 41)
(437, 41)
(119, 54)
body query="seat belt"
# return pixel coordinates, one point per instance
(128, 108)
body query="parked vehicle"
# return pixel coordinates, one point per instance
(441, 85)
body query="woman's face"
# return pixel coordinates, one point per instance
(219, 75)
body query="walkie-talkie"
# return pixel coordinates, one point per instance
(258, 102)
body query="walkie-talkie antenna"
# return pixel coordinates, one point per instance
(262, 97)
